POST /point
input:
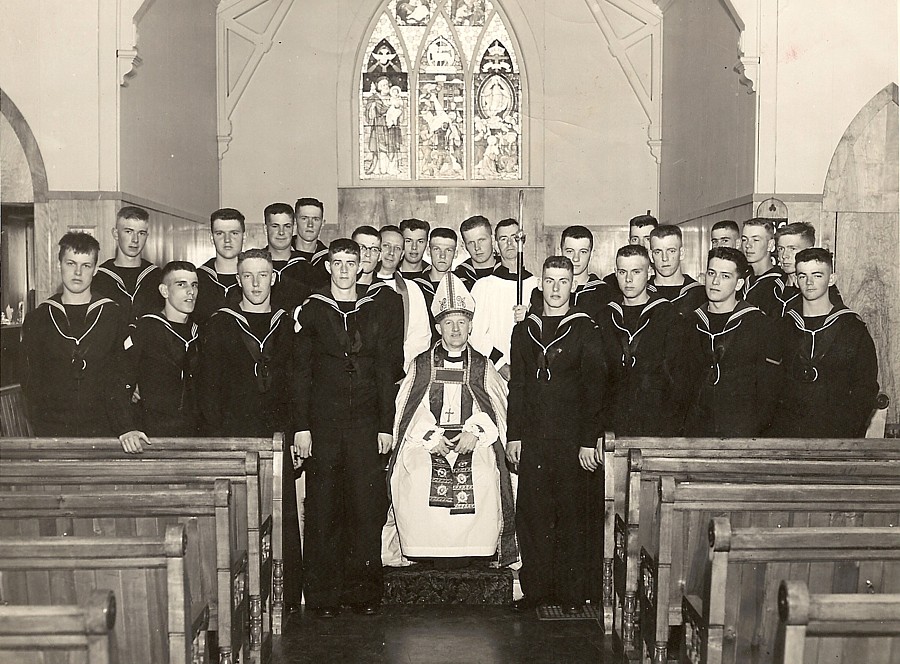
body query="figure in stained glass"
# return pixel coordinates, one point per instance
(413, 12)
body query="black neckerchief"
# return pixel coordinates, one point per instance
(120, 283)
(78, 345)
(628, 340)
(545, 360)
(259, 349)
(720, 341)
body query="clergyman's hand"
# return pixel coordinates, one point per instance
(302, 445)
(514, 451)
(385, 443)
(443, 447)
(465, 442)
(588, 458)
(131, 441)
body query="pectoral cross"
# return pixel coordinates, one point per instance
(448, 414)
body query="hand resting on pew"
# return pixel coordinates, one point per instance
(131, 441)
(301, 448)
(589, 458)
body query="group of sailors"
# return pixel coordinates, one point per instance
(485, 408)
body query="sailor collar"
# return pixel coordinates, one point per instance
(320, 252)
(655, 301)
(592, 283)
(366, 299)
(686, 287)
(833, 317)
(56, 307)
(168, 325)
(734, 320)
(243, 323)
(120, 283)
(209, 268)
(562, 330)
(773, 272)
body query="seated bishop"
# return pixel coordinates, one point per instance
(450, 488)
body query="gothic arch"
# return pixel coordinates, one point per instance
(531, 75)
(29, 144)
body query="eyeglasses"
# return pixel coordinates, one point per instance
(370, 250)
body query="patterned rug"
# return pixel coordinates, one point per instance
(414, 585)
(555, 612)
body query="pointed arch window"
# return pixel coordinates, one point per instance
(440, 94)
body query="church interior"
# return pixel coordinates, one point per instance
(591, 111)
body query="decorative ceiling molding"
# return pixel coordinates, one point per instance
(746, 16)
(130, 13)
(241, 43)
(644, 77)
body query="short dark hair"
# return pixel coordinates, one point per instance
(390, 228)
(174, 266)
(277, 208)
(133, 212)
(414, 224)
(727, 225)
(265, 254)
(561, 262)
(629, 250)
(576, 233)
(315, 202)
(446, 233)
(79, 243)
(503, 223)
(665, 230)
(474, 222)
(643, 220)
(226, 214)
(736, 256)
(801, 228)
(365, 230)
(762, 222)
(343, 245)
(817, 254)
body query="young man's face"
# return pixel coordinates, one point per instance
(722, 280)
(369, 251)
(391, 251)
(256, 278)
(343, 268)
(479, 244)
(414, 243)
(131, 236)
(179, 289)
(756, 243)
(506, 241)
(280, 231)
(632, 273)
(814, 279)
(556, 286)
(723, 237)
(227, 237)
(454, 330)
(577, 250)
(442, 250)
(309, 222)
(640, 235)
(666, 253)
(786, 247)
(77, 271)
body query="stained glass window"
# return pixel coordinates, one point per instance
(440, 94)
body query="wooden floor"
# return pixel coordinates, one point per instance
(440, 634)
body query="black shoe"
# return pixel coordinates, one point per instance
(366, 609)
(524, 604)
(328, 611)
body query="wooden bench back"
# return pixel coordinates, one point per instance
(846, 628)
(60, 633)
(156, 621)
(217, 569)
(13, 417)
(733, 620)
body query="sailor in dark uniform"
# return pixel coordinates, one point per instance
(218, 276)
(735, 347)
(292, 271)
(831, 369)
(415, 244)
(645, 340)
(352, 353)
(309, 216)
(639, 229)
(163, 356)
(789, 240)
(765, 283)
(667, 252)
(556, 391)
(128, 279)
(478, 239)
(75, 383)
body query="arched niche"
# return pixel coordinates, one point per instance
(861, 195)
(29, 146)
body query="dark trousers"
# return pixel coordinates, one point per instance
(346, 508)
(551, 520)
(292, 551)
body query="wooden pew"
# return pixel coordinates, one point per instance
(734, 621)
(135, 471)
(13, 418)
(60, 634)
(157, 621)
(615, 470)
(846, 628)
(216, 566)
(266, 590)
(673, 553)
